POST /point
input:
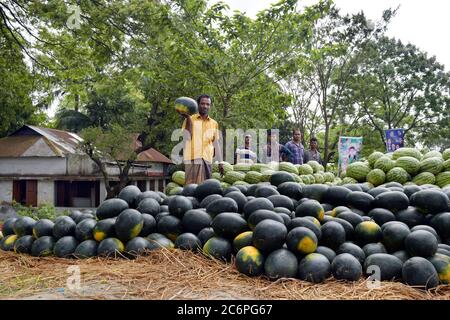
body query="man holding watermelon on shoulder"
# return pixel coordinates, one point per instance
(201, 136)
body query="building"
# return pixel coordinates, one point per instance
(42, 165)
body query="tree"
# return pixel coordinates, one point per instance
(398, 86)
(332, 56)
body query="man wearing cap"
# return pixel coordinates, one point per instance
(201, 136)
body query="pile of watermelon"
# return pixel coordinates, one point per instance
(407, 166)
(276, 229)
(247, 174)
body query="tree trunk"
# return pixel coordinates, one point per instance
(326, 147)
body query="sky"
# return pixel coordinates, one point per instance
(422, 23)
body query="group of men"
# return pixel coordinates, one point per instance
(201, 136)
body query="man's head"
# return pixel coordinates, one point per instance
(248, 139)
(296, 135)
(352, 151)
(313, 143)
(204, 102)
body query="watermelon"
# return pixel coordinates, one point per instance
(86, 249)
(410, 164)
(170, 226)
(188, 241)
(358, 171)
(228, 225)
(243, 240)
(64, 226)
(226, 167)
(111, 208)
(242, 167)
(206, 188)
(421, 243)
(110, 247)
(186, 105)
(314, 225)
(418, 271)
(374, 156)
(432, 154)
(446, 165)
(179, 177)
(269, 235)
(433, 165)
(398, 174)
(218, 248)
(129, 224)
(250, 261)
(43, 246)
(7, 243)
(346, 267)
(443, 179)
(349, 180)
(24, 226)
(390, 267)
(368, 232)
(205, 234)
(233, 176)
(129, 194)
(372, 248)
(333, 234)
(265, 191)
(446, 154)
(314, 268)
(104, 229)
(305, 169)
(280, 177)
(65, 247)
(43, 227)
(84, 229)
(259, 167)
(253, 177)
(310, 208)
(353, 249)
(281, 263)
(442, 265)
(405, 152)
(384, 163)
(376, 177)
(23, 244)
(317, 167)
(301, 241)
(178, 205)
(257, 204)
(424, 178)
(430, 201)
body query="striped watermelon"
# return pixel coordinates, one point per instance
(216, 175)
(358, 171)
(266, 174)
(376, 177)
(170, 186)
(406, 152)
(317, 167)
(175, 191)
(259, 167)
(433, 165)
(446, 165)
(424, 178)
(179, 178)
(446, 154)
(240, 182)
(348, 180)
(242, 167)
(288, 167)
(443, 179)
(233, 176)
(374, 156)
(410, 164)
(297, 178)
(253, 177)
(224, 185)
(226, 167)
(432, 154)
(305, 169)
(397, 174)
(384, 163)
(329, 176)
(318, 177)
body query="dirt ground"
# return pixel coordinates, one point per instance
(174, 274)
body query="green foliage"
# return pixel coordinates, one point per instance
(43, 211)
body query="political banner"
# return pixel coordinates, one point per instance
(349, 150)
(394, 139)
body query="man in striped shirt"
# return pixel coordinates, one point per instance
(296, 148)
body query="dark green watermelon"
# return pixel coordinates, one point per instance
(8, 226)
(392, 200)
(188, 241)
(314, 268)
(23, 244)
(360, 200)
(208, 187)
(195, 220)
(418, 271)
(393, 236)
(219, 248)
(205, 234)
(130, 194)
(65, 247)
(170, 226)
(430, 201)
(346, 267)
(250, 261)
(136, 246)
(110, 247)
(327, 252)
(86, 249)
(23, 226)
(260, 215)
(222, 205)
(179, 205)
(229, 224)
(389, 266)
(281, 263)
(85, 230)
(129, 224)
(421, 243)
(257, 204)
(149, 206)
(269, 235)
(104, 229)
(301, 241)
(64, 226)
(43, 246)
(353, 249)
(149, 225)
(239, 198)
(291, 189)
(333, 235)
(205, 202)
(43, 227)
(111, 208)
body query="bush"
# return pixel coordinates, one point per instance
(43, 211)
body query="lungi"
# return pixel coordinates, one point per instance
(197, 171)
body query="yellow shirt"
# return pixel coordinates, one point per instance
(204, 133)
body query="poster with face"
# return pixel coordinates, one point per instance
(394, 139)
(349, 151)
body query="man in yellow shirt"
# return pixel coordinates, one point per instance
(202, 137)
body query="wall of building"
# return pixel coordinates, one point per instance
(6, 191)
(46, 192)
(81, 164)
(32, 166)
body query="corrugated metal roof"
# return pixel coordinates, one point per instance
(61, 143)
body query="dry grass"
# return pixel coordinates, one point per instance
(175, 274)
